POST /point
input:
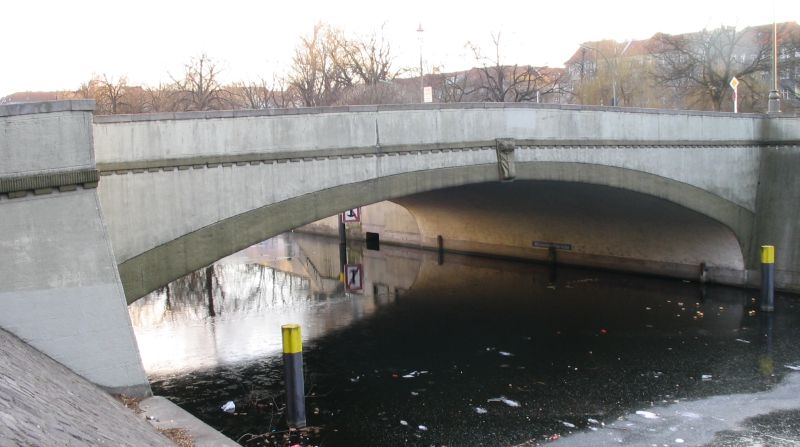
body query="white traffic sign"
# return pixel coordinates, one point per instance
(353, 277)
(352, 216)
(427, 94)
(734, 85)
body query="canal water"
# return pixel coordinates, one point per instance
(452, 351)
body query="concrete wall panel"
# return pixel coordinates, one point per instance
(60, 290)
(45, 142)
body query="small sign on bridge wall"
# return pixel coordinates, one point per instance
(556, 245)
(353, 277)
(352, 216)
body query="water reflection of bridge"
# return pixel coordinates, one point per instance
(229, 312)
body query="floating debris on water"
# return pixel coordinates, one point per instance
(505, 354)
(481, 410)
(742, 341)
(647, 414)
(505, 400)
(567, 424)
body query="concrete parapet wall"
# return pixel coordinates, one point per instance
(137, 138)
(44, 137)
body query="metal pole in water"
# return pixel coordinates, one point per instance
(440, 250)
(767, 278)
(342, 247)
(293, 375)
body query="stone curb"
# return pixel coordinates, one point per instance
(165, 415)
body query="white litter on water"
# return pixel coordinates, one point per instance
(568, 424)
(505, 354)
(593, 428)
(481, 410)
(422, 428)
(505, 400)
(413, 374)
(690, 415)
(793, 368)
(593, 421)
(679, 441)
(414, 393)
(742, 341)
(229, 407)
(647, 414)
(706, 377)
(402, 422)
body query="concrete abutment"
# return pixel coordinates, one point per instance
(59, 286)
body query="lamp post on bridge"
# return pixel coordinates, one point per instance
(774, 100)
(421, 79)
(613, 67)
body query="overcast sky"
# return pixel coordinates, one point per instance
(54, 45)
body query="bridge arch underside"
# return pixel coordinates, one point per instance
(612, 217)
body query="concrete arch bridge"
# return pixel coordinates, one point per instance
(113, 207)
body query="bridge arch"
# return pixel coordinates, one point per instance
(160, 265)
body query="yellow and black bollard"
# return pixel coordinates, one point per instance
(293, 374)
(767, 278)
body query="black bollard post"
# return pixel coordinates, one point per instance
(293, 375)
(767, 278)
(440, 249)
(342, 247)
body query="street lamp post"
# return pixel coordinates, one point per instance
(613, 68)
(421, 80)
(774, 99)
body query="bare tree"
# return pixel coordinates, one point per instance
(702, 64)
(111, 95)
(453, 86)
(502, 83)
(199, 89)
(369, 60)
(318, 74)
(263, 94)
(283, 94)
(254, 95)
(158, 99)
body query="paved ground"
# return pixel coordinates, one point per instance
(741, 420)
(42, 403)
(166, 415)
